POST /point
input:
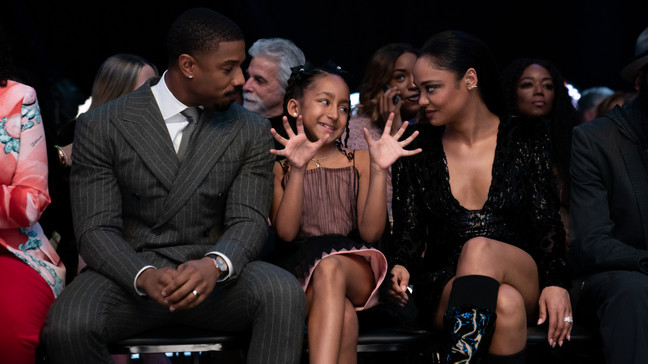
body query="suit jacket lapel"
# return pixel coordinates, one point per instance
(145, 131)
(215, 133)
(633, 156)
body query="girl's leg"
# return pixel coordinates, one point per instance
(336, 280)
(349, 342)
(517, 296)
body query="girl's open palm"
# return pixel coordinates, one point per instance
(298, 149)
(386, 150)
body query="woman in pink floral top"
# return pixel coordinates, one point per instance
(32, 274)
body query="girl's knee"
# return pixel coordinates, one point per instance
(328, 270)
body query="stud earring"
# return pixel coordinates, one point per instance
(190, 76)
(295, 114)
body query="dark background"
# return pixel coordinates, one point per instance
(61, 44)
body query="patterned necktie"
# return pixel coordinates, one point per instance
(193, 115)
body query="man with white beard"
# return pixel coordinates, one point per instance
(268, 73)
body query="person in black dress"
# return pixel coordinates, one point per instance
(476, 221)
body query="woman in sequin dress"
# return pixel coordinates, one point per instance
(476, 220)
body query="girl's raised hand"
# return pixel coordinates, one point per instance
(298, 150)
(386, 150)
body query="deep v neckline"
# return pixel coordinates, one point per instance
(493, 172)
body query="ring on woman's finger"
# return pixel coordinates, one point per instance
(195, 293)
(569, 319)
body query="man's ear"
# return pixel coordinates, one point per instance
(187, 64)
(293, 107)
(639, 79)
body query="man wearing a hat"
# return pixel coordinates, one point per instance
(609, 220)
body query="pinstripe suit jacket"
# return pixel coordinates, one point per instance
(134, 204)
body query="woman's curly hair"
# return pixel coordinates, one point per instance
(561, 119)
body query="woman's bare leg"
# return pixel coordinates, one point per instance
(336, 280)
(518, 294)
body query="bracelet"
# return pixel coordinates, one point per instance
(63, 158)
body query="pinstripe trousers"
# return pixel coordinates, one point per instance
(94, 311)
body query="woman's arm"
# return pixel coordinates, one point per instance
(22, 137)
(549, 233)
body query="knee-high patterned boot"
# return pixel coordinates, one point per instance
(469, 330)
(469, 321)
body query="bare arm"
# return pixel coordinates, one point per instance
(287, 203)
(372, 195)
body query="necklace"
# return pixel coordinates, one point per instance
(318, 161)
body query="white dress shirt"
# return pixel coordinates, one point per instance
(171, 109)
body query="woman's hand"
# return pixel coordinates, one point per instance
(386, 150)
(398, 290)
(555, 303)
(298, 149)
(386, 107)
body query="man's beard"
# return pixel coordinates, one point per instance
(225, 105)
(253, 103)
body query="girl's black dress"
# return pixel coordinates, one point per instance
(430, 226)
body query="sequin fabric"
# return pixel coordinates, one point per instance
(522, 208)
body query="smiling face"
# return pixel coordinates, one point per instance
(324, 107)
(403, 79)
(535, 91)
(442, 100)
(217, 75)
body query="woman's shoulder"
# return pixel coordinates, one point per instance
(15, 92)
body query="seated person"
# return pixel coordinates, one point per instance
(609, 220)
(476, 224)
(170, 224)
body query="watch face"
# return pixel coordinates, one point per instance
(220, 263)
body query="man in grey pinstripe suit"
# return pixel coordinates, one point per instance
(169, 241)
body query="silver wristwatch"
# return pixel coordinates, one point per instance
(221, 265)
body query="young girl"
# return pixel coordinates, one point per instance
(329, 205)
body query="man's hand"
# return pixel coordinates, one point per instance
(152, 281)
(195, 280)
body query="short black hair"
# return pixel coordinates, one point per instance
(198, 30)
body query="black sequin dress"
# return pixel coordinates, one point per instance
(430, 226)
